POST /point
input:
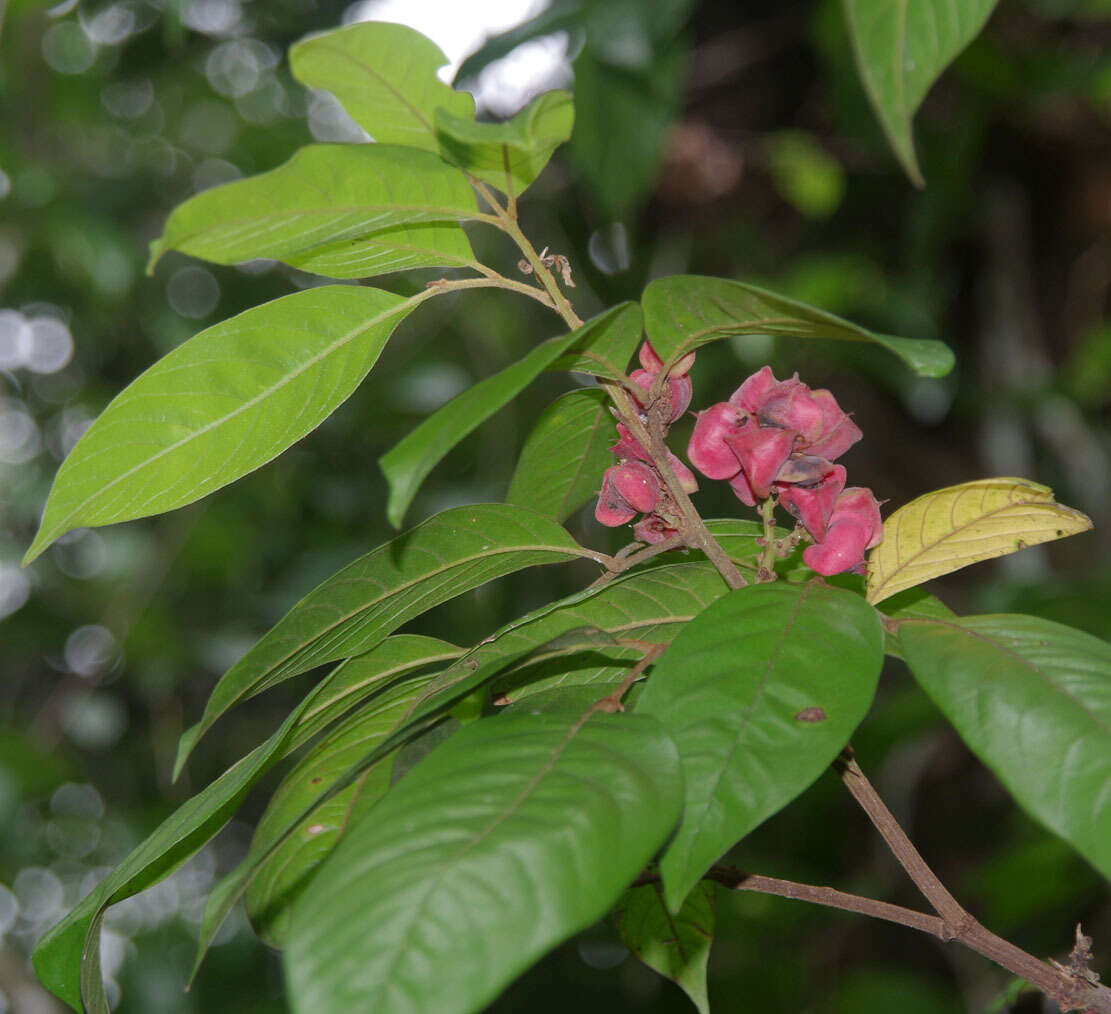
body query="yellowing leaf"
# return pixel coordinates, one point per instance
(953, 527)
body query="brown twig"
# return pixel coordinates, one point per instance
(1071, 988)
(612, 701)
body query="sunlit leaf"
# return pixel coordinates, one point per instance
(760, 692)
(561, 464)
(901, 48)
(385, 77)
(516, 833)
(953, 527)
(682, 312)
(345, 210)
(1032, 699)
(354, 609)
(508, 155)
(408, 463)
(225, 402)
(675, 945)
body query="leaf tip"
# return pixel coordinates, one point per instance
(185, 747)
(157, 249)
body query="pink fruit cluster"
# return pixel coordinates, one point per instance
(633, 486)
(770, 438)
(781, 437)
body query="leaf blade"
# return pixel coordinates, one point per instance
(350, 210)
(224, 403)
(957, 526)
(560, 467)
(901, 49)
(736, 690)
(407, 463)
(353, 610)
(677, 946)
(513, 153)
(466, 813)
(682, 312)
(1032, 699)
(384, 75)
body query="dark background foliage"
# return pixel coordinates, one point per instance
(716, 138)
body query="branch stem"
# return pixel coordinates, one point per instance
(1068, 989)
(766, 570)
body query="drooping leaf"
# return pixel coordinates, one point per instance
(901, 48)
(283, 876)
(345, 210)
(408, 463)
(675, 945)
(759, 692)
(960, 525)
(1032, 699)
(384, 75)
(561, 464)
(682, 312)
(516, 833)
(225, 402)
(353, 610)
(508, 155)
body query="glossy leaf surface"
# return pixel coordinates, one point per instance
(675, 945)
(345, 210)
(960, 525)
(225, 402)
(1032, 699)
(408, 463)
(901, 48)
(353, 610)
(561, 464)
(384, 75)
(508, 155)
(760, 692)
(510, 837)
(682, 312)
(282, 877)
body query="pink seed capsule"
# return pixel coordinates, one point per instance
(637, 484)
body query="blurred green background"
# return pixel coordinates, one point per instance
(720, 138)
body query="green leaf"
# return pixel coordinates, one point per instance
(513, 835)
(760, 692)
(624, 115)
(508, 155)
(285, 873)
(353, 680)
(914, 603)
(605, 350)
(408, 463)
(354, 609)
(683, 312)
(385, 77)
(677, 946)
(1032, 699)
(901, 48)
(561, 464)
(67, 958)
(651, 606)
(960, 525)
(225, 402)
(345, 210)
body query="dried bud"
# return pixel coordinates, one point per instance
(653, 529)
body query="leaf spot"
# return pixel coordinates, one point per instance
(812, 714)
